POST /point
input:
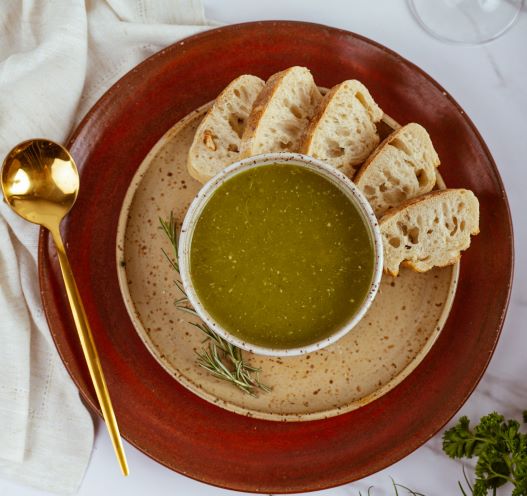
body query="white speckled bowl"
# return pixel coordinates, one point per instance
(331, 174)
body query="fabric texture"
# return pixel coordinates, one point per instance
(57, 57)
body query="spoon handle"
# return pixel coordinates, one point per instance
(90, 351)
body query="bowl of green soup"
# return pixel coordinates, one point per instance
(280, 254)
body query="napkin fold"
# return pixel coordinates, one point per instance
(57, 57)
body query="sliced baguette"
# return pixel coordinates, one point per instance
(217, 140)
(429, 231)
(281, 113)
(402, 167)
(343, 131)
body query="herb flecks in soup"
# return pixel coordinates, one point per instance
(280, 257)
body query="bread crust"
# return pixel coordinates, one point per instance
(259, 107)
(320, 111)
(386, 141)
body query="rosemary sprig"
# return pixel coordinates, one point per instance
(222, 359)
(169, 228)
(396, 488)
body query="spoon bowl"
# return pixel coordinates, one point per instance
(40, 181)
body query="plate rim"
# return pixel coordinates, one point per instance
(432, 427)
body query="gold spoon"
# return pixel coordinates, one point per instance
(40, 183)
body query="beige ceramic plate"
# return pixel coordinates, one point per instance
(387, 345)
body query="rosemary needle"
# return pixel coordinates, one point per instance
(220, 358)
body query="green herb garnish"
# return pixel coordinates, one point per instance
(396, 488)
(222, 359)
(500, 449)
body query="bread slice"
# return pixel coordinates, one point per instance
(343, 131)
(217, 140)
(429, 231)
(402, 167)
(281, 113)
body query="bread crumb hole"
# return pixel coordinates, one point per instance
(285, 146)
(237, 92)
(237, 124)
(209, 140)
(395, 242)
(460, 207)
(454, 229)
(362, 100)
(296, 111)
(462, 225)
(291, 128)
(336, 152)
(421, 177)
(334, 149)
(436, 220)
(400, 145)
(413, 235)
(369, 190)
(233, 148)
(403, 228)
(383, 187)
(395, 197)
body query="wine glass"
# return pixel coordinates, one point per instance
(466, 21)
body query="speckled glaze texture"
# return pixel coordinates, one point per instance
(159, 415)
(384, 348)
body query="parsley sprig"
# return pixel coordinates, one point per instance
(500, 449)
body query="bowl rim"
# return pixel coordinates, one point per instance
(333, 175)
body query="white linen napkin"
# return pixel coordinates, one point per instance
(57, 57)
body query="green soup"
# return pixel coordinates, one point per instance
(280, 257)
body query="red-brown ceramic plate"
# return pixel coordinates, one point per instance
(156, 413)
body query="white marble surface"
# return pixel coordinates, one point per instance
(490, 83)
